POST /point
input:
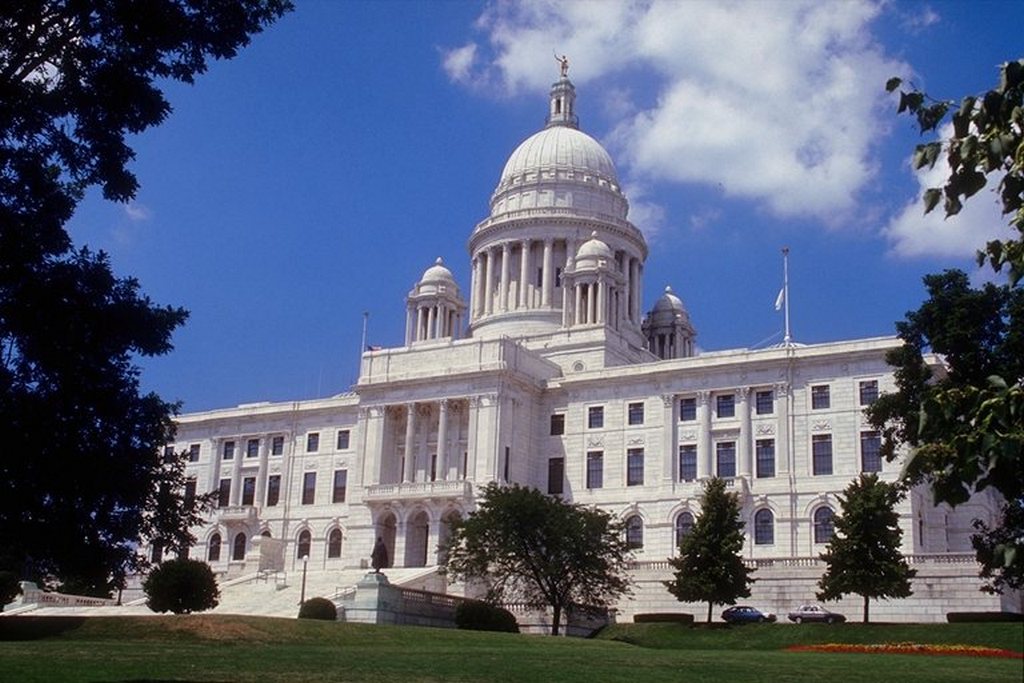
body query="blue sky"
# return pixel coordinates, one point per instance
(320, 172)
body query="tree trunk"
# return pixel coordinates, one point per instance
(556, 618)
(865, 609)
(710, 605)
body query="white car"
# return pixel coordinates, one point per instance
(814, 613)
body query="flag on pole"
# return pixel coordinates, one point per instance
(780, 298)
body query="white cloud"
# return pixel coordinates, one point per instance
(645, 214)
(136, 212)
(778, 102)
(913, 234)
(458, 62)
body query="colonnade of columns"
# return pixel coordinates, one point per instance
(524, 274)
(433, 444)
(435, 319)
(239, 456)
(593, 302)
(700, 433)
(674, 344)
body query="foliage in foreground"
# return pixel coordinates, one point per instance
(709, 567)
(181, 586)
(863, 556)
(970, 434)
(536, 549)
(318, 608)
(85, 481)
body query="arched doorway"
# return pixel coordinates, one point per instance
(386, 526)
(445, 532)
(417, 540)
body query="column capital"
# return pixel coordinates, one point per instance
(668, 399)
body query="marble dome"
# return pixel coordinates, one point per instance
(560, 148)
(437, 273)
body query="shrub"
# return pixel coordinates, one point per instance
(662, 617)
(961, 617)
(9, 587)
(181, 586)
(318, 608)
(474, 615)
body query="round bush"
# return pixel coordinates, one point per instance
(181, 586)
(318, 608)
(474, 615)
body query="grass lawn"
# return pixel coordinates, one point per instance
(206, 648)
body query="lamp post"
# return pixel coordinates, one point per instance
(305, 562)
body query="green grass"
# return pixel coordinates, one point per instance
(205, 648)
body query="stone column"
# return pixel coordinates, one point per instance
(743, 452)
(410, 432)
(261, 475)
(215, 456)
(506, 254)
(431, 321)
(474, 279)
(473, 436)
(524, 273)
(489, 281)
(669, 450)
(236, 474)
(578, 310)
(400, 530)
(783, 451)
(547, 276)
(704, 456)
(422, 471)
(370, 433)
(442, 440)
(601, 302)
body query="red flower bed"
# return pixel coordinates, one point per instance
(910, 649)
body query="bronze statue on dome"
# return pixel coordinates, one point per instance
(563, 62)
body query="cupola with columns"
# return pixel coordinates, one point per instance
(668, 329)
(558, 190)
(434, 308)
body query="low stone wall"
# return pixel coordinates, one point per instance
(31, 594)
(376, 601)
(574, 623)
(944, 583)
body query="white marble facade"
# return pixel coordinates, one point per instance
(546, 371)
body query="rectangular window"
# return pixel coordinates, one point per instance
(508, 460)
(820, 399)
(340, 486)
(252, 448)
(821, 453)
(868, 392)
(309, 488)
(557, 424)
(224, 493)
(273, 490)
(193, 453)
(636, 413)
(229, 450)
(313, 442)
(725, 405)
(725, 456)
(190, 489)
(764, 402)
(540, 277)
(595, 417)
(687, 409)
(277, 445)
(558, 276)
(765, 458)
(635, 467)
(168, 453)
(687, 462)
(870, 452)
(343, 436)
(595, 469)
(249, 491)
(556, 475)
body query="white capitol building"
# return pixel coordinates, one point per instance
(547, 371)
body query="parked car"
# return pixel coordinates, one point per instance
(743, 614)
(814, 613)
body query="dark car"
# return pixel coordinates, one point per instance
(814, 613)
(742, 614)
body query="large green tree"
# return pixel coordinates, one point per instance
(86, 478)
(965, 427)
(537, 549)
(709, 567)
(863, 556)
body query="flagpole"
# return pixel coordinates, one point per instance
(362, 345)
(787, 339)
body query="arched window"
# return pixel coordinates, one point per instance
(823, 524)
(265, 533)
(764, 527)
(634, 532)
(213, 553)
(302, 549)
(238, 550)
(334, 543)
(158, 552)
(684, 525)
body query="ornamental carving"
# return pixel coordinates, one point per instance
(688, 436)
(668, 399)
(595, 442)
(821, 426)
(765, 430)
(638, 441)
(703, 397)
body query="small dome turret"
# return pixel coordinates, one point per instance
(668, 329)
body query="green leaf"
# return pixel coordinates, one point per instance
(893, 83)
(931, 198)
